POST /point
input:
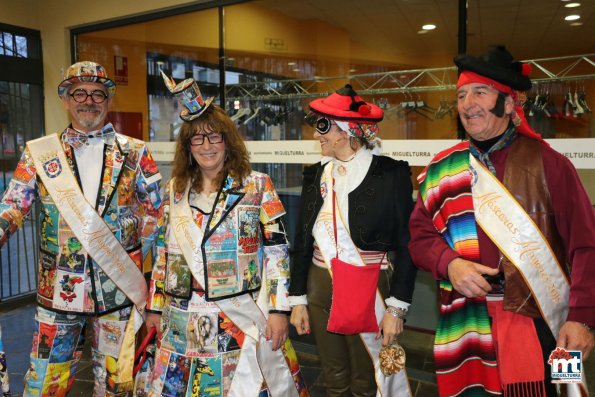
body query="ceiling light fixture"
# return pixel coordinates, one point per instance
(572, 17)
(291, 63)
(429, 27)
(572, 5)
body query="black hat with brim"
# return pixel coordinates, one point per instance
(497, 64)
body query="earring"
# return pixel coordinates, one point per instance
(516, 120)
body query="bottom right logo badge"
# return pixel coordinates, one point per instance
(565, 365)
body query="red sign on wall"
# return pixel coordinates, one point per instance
(121, 70)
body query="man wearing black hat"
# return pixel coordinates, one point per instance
(493, 223)
(81, 175)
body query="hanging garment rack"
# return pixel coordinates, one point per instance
(572, 68)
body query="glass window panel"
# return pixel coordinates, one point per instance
(169, 44)
(20, 107)
(8, 44)
(21, 46)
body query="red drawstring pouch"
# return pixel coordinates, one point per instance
(353, 298)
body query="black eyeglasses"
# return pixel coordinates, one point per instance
(323, 125)
(80, 96)
(199, 139)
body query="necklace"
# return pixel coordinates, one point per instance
(342, 170)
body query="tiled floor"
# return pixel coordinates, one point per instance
(17, 328)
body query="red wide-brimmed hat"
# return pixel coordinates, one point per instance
(346, 105)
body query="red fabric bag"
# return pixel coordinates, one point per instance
(354, 295)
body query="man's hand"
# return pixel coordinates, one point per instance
(277, 329)
(575, 336)
(154, 320)
(300, 319)
(390, 328)
(466, 277)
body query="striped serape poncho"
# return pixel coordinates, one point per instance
(464, 352)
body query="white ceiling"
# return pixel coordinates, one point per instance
(530, 29)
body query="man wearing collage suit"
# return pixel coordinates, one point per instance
(99, 194)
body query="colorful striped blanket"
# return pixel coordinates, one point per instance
(464, 352)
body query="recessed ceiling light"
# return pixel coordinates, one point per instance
(572, 17)
(296, 69)
(576, 24)
(291, 63)
(429, 27)
(352, 70)
(572, 5)
(422, 31)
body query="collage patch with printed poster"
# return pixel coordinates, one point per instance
(202, 330)
(224, 238)
(178, 276)
(176, 376)
(249, 229)
(174, 329)
(229, 362)
(48, 225)
(205, 377)
(229, 336)
(47, 273)
(222, 274)
(250, 271)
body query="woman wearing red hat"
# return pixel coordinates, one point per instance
(354, 212)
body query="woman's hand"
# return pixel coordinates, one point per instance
(300, 319)
(277, 329)
(390, 328)
(154, 320)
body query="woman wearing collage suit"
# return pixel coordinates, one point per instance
(219, 285)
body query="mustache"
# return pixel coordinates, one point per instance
(88, 107)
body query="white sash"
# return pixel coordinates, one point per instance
(509, 227)
(257, 359)
(323, 232)
(89, 228)
(518, 238)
